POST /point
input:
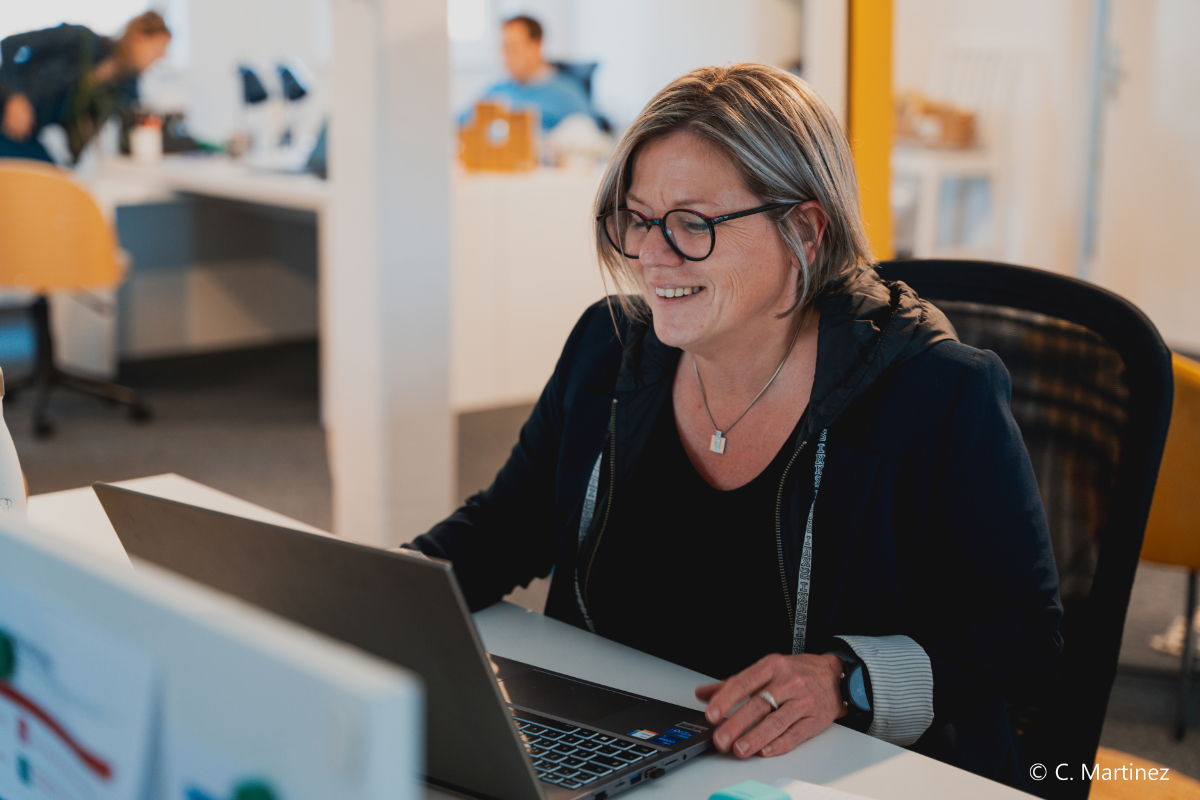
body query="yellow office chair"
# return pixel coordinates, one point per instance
(53, 238)
(1172, 532)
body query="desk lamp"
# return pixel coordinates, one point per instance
(253, 93)
(293, 90)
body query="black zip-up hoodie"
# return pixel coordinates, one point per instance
(928, 522)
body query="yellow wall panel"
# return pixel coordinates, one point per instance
(871, 125)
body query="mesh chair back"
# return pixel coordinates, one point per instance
(52, 234)
(1092, 391)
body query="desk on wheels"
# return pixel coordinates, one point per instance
(838, 757)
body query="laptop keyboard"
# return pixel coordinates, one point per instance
(573, 757)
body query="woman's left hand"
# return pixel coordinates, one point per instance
(806, 688)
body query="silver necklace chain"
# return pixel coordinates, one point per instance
(717, 444)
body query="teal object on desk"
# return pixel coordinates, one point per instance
(750, 790)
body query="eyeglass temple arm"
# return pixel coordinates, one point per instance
(749, 211)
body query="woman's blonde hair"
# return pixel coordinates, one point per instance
(148, 23)
(786, 145)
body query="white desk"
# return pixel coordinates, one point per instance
(524, 261)
(838, 757)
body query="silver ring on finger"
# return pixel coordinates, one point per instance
(765, 695)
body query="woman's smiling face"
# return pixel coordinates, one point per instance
(750, 277)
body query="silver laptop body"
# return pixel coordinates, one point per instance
(496, 728)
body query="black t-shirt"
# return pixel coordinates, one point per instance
(690, 573)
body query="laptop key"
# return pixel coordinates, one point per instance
(570, 783)
(535, 751)
(529, 727)
(623, 745)
(643, 751)
(585, 777)
(603, 739)
(570, 739)
(596, 769)
(564, 772)
(607, 750)
(573, 762)
(628, 757)
(550, 755)
(565, 749)
(611, 763)
(552, 779)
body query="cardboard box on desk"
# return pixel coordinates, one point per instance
(922, 121)
(498, 139)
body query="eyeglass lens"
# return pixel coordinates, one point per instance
(690, 234)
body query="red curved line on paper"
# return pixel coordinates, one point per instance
(95, 764)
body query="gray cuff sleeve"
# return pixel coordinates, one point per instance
(901, 686)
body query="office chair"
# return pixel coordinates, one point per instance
(1092, 393)
(53, 238)
(583, 72)
(1172, 532)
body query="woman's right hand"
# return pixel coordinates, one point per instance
(18, 118)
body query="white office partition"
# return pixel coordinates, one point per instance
(116, 685)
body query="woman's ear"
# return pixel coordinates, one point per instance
(813, 226)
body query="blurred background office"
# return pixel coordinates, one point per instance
(342, 304)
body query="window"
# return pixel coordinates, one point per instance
(105, 17)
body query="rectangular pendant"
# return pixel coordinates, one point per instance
(718, 443)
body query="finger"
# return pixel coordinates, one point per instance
(741, 686)
(802, 730)
(754, 713)
(771, 727)
(708, 690)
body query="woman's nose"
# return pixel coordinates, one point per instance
(656, 251)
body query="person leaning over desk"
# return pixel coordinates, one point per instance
(765, 463)
(71, 77)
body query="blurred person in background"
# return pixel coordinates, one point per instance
(71, 77)
(533, 81)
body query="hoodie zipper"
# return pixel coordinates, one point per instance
(787, 599)
(612, 485)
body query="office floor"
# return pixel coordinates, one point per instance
(246, 423)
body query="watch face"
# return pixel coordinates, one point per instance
(858, 690)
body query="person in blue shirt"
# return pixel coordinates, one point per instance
(533, 81)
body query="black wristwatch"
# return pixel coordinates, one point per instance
(856, 684)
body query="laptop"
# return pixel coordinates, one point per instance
(495, 727)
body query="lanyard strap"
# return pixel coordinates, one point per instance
(804, 580)
(585, 522)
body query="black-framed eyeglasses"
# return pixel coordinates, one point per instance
(691, 234)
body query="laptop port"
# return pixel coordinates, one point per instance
(601, 795)
(636, 779)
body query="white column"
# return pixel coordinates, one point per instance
(386, 284)
(826, 37)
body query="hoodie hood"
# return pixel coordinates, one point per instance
(867, 326)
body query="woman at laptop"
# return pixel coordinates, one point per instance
(762, 462)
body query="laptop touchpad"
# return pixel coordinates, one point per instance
(564, 697)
